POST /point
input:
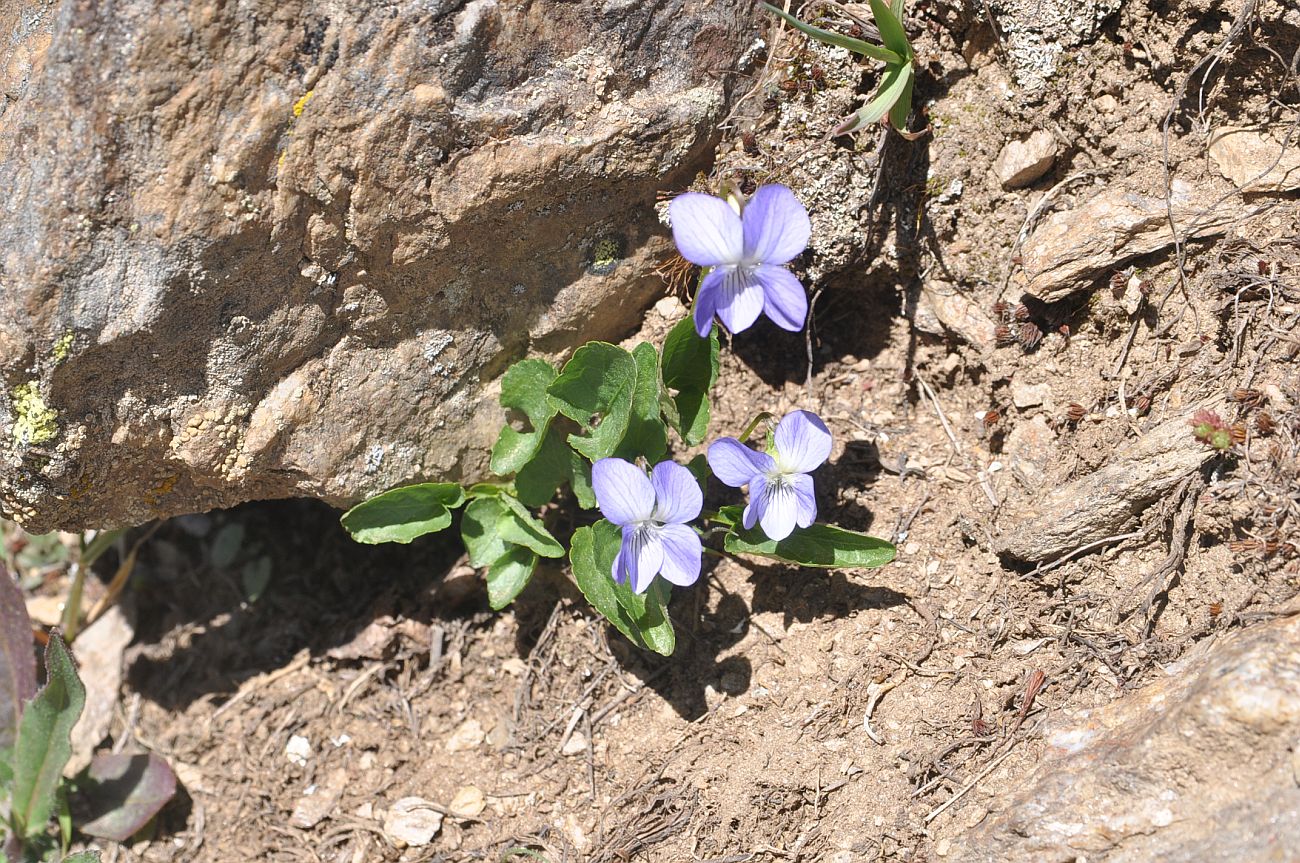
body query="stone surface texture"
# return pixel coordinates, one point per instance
(1072, 248)
(1020, 163)
(1107, 501)
(281, 248)
(1254, 161)
(1039, 35)
(1199, 767)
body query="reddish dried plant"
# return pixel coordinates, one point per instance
(1210, 429)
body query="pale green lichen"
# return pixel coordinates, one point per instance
(34, 422)
(605, 256)
(62, 347)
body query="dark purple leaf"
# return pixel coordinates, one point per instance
(118, 794)
(17, 659)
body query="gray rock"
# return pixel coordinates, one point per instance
(1027, 395)
(1106, 501)
(1071, 249)
(1030, 449)
(279, 249)
(1020, 163)
(945, 308)
(1040, 34)
(1196, 768)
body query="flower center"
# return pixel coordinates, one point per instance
(644, 531)
(778, 479)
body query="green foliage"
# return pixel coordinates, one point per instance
(689, 366)
(523, 388)
(551, 467)
(643, 619)
(43, 745)
(893, 97)
(646, 435)
(820, 545)
(502, 535)
(857, 46)
(595, 390)
(582, 489)
(404, 513)
(509, 574)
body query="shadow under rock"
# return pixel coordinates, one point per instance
(853, 317)
(199, 632)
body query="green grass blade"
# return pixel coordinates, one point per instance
(903, 107)
(857, 46)
(897, 81)
(891, 29)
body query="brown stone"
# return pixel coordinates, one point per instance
(1020, 163)
(275, 249)
(1071, 249)
(1254, 161)
(1106, 501)
(1195, 768)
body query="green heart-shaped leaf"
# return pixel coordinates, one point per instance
(404, 513)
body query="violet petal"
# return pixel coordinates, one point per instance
(805, 499)
(623, 492)
(678, 498)
(780, 510)
(757, 502)
(784, 299)
(706, 230)
(740, 300)
(776, 225)
(802, 442)
(682, 550)
(734, 463)
(706, 302)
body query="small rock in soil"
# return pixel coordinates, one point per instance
(411, 822)
(319, 801)
(1073, 248)
(1022, 162)
(468, 735)
(1195, 768)
(469, 802)
(943, 307)
(1030, 449)
(575, 745)
(1106, 501)
(298, 750)
(1254, 161)
(1027, 395)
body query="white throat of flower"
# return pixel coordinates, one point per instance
(643, 533)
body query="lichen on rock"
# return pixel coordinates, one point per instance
(34, 423)
(274, 204)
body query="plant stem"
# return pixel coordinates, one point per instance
(72, 608)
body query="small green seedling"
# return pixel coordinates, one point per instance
(114, 798)
(893, 98)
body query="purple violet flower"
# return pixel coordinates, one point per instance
(747, 253)
(780, 489)
(653, 513)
